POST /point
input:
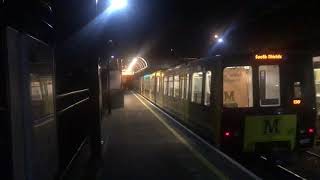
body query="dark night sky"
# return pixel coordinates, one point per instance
(152, 27)
(157, 26)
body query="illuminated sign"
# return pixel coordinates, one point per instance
(268, 56)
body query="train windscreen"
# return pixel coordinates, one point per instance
(269, 85)
(237, 87)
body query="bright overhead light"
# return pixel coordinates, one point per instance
(118, 4)
(131, 65)
(220, 40)
(136, 65)
(216, 36)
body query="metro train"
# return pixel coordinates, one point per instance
(249, 103)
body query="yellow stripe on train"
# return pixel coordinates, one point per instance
(269, 129)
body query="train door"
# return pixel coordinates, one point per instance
(316, 70)
(31, 106)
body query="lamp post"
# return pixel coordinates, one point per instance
(102, 13)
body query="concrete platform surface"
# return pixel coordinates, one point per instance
(140, 146)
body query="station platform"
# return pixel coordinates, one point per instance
(143, 145)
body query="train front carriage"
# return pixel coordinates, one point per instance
(250, 103)
(267, 102)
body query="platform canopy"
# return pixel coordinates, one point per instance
(136, 65)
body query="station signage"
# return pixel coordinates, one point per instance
(268, 56)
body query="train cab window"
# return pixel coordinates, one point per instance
(207, 89)
(237, 87)
(297, 90)
(182, 84)
(269, 85)
(170, 92)
(165, 86)
(187, 86)
(176, 86)
(196, 91)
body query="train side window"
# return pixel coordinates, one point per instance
(152, 84)
(269, 85)
(182, 86)
(170, 93)
(207, 91)
(187, 86)
(237, 87)
(141, 84)
(41, 95)
(316, 72)
(165, 86)
(176, 86)
(147, 85)
(158, 84)
(196, 91)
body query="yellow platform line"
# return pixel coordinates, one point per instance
(198, 155)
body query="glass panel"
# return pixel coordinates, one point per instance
(187, 86)
(115, 80)
(297, 90)
(317, 86)
(158, 84)
(317, 82)
(147, 85)
(196, 91)
(207, 92)
(170, 86)
(141, 84)
(237, 87)
(182, 83)
(165, 84)
(269, 85)
(41, 95)
(152, 84)
(176, 86)
(316, 71)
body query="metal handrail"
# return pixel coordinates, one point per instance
(71, 93)
(73, 105)
(75, 155)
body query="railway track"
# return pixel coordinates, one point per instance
(264, 166)
(284, 171)
(312, 154)
(269, 166)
